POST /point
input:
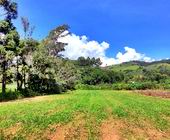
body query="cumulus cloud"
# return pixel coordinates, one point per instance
(81, 46)
(131, 54)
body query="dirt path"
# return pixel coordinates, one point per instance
(155, 93)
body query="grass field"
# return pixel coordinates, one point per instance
(86, 114)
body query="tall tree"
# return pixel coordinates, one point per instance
(46, 60)
(27, 28)
(11, 37)
(51, 42)
(27, 46)
(26, 25)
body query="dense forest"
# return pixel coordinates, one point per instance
(37, 67)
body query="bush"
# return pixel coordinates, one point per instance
(121, 86)
(29, 93)
(165, 86)
(43, 85)
(86, 87)
(94, 87)
(10, 95)
(136, 86)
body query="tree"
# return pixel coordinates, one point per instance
(49, 66)
(10, 9)
(28, 30)
(11, 38)
(26, 25)
(27, 46)
(25, 60)
(51, 42)
(81, 61)
(67, 73)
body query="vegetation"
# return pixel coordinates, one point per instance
(87, 112)
(10, 41)
(129, 76)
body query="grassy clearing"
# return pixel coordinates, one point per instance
(86, 114)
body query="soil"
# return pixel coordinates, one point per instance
(109, 132)
(71, 131)
(155, 93)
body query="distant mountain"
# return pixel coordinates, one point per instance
(135, 65)
(143, 63)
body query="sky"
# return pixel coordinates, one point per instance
(114, 30)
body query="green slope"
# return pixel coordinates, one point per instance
(136, 65)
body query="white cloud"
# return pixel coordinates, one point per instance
(130, 55)
(81, 46)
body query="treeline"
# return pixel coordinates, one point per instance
(127, 76)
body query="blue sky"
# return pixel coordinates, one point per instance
(143, 25)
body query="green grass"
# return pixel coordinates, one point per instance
(125, 67)
(158, 66)
(34, 118)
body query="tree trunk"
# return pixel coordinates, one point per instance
(4, 77)
(24, 76)
(18, 86)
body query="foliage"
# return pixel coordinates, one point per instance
(60, 74)
(127, 76)
(10, 95)
(43, 85)
(94, 76)
(10, 9)
(51, 43)
(81, 61)
(122, 86)
(66, 74)
(94, 87)
(10, 41)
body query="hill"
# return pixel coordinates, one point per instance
(136, 65)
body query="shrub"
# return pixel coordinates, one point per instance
(86, 87)
(121, 86)
(136, 86)
(10, 95)
(43, 85)
(29, 93)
